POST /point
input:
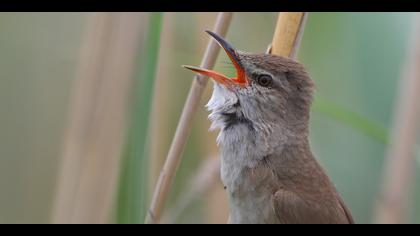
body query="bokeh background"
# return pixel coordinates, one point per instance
(48, 60)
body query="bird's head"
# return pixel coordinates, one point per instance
(269, 94)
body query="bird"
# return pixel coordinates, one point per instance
(267, 167)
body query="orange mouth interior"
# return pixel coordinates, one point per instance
(240, 78)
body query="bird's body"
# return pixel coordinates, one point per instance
(287, 188)
(268, 169)
(270, 182)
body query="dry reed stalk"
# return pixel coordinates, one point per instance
(184, 126)
(398, 173)
(216, 207)
(94, 137)
(288, 33)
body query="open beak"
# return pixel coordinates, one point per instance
(222, 79)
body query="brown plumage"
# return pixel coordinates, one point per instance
(301, 191)
(269, 171)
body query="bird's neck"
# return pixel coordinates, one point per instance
(247, 144)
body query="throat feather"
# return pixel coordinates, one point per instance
(232, 119)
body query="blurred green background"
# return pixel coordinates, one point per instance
(355, 60)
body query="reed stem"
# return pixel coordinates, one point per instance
(173, 159)
(288, 33)
(392, 205)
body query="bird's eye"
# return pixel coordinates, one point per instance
(264, 80)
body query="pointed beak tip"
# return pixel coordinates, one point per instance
(218, 38)
(195, 69)
(187, 67)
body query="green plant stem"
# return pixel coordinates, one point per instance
(174, 157)
(133, 196)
